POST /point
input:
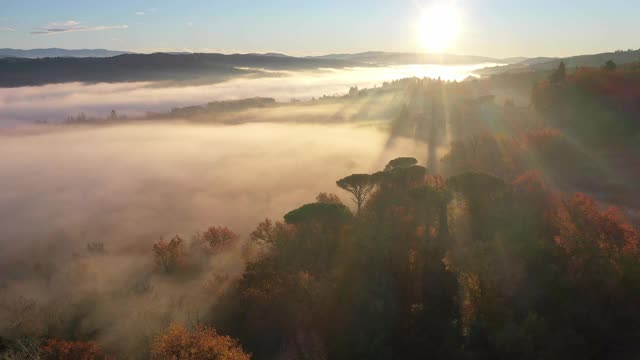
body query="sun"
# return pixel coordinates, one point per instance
(439, 27)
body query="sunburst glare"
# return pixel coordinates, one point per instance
(439, 27)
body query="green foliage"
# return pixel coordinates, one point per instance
(403, 162)
(319, 212)
(560, 74)
(359, 185)
(610, 65)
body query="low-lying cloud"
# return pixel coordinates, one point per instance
(57, 102)
(128, 186)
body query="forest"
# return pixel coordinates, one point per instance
(515, 236)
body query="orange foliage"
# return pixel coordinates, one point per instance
(203, 343)
(265, 232)
(530, 182)
(540, 137)
(170, 256)
(590, 236)
(436, 181)
(68, 350)
(219, 238)
(328, 198)
(531, 185)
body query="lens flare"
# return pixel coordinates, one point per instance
(439, 27)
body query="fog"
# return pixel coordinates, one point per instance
(128, 186)
(57, 102)
(126, 182)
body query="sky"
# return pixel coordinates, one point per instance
(496, 28)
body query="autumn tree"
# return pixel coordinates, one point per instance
(202, 343)
(328, 198)
(595, 239)
(218, 238)
(170, 256)
(360, 187)
(264, 232)
(55, 349)
(266, 236)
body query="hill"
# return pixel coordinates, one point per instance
(56, 52)
(395, 58)
(15, 72)
(545, 64)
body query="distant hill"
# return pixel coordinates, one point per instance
(514, 60)
(16, 72)
(55, 52)
(537, 60)
(394, 58)
(546, 63)
(596, 60)
(271, 54)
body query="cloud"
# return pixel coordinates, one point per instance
(7, 29)
(72, 26)
(56, 102)
(172, 184)
(140, 13)
(189, 24)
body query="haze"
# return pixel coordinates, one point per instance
(390, 179)
(55, 103)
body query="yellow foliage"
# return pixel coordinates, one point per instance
(203, 343)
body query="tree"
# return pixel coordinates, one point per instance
(55, 349)
(403, 162)
(434, 197)
(560, 74)
(264, 232)
(267, 233)
(203, 343)
(360, 187)
(218, 238)
(610, 65)
(481, 192)
(599, 239)
(319, 212)
(328, 198)
(169, 256)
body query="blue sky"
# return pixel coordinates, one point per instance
(498, 28)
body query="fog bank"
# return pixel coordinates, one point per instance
(57, 102)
